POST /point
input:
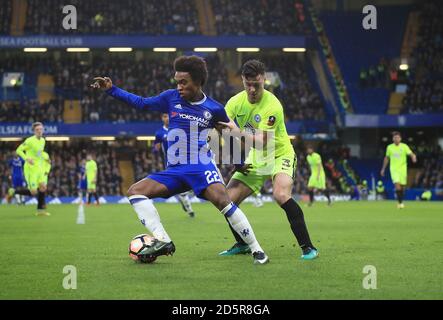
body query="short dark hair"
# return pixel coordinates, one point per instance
(36, 124)
(195, 66)
(253, 68)
(396, 133)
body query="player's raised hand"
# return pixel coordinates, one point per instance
(103, 83)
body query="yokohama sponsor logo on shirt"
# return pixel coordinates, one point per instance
(200, 121)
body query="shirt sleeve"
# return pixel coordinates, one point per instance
(158, 137)
(155, 103)
(408, 150)
(388, 152)
(221, 115)
(230, 109)
(22, 148)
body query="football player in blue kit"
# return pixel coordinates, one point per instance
(192, 115)
(81, 178)
(161, 145)
(17, 178)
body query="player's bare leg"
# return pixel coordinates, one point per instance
(282, 192)
(237, 192)
(140, 195)
(217, 194)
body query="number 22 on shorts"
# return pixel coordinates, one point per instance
(212, 176)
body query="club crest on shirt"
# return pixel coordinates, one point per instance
(271, 121)
(207, 115)
(257, 118)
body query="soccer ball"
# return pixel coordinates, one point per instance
(137, 245)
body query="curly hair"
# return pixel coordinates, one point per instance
(195, 66)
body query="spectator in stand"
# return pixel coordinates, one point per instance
(115, 17)
(5, 17)
(244, 17)
(425, 86)
(72, 75)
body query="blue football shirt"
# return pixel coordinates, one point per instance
(189, 122)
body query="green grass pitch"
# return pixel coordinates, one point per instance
(405, 246)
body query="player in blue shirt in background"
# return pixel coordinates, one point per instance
(17, 178)
(161, 145)
(81, 178)
(191, 116)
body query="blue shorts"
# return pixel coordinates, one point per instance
(181, 178)
(18, 181)
(81, 185)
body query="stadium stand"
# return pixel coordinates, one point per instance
(245, 17)
(115, 17)
(65, 159)
(72, 76)
(425, 85)
(430, 173)
(5, 17)
(296, 92)
(365, 50)
(31, 110)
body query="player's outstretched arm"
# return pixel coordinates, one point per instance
(105, 83)
(413, 157)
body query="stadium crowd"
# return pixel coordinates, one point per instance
(114, 17)
(5, 17)
(147, 76)
(425, 88)
(430, 174)
(65, 160)
(243, 17)
(300, 100)
(31, 110)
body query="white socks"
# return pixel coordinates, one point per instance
(241, 225)
(149, 217)
(185, 201)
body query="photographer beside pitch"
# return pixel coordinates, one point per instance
(186, 106)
